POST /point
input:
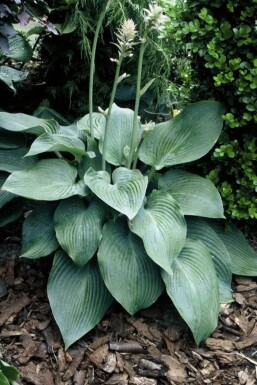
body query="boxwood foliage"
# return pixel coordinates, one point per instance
(220, 40)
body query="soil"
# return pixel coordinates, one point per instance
(154, 347)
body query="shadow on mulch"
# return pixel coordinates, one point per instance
(154, 347)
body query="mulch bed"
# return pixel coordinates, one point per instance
(154, 347)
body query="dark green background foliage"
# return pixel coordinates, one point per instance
(219, 40)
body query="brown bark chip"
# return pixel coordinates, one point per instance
(11, 307)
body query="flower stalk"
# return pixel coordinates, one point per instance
(92, 65)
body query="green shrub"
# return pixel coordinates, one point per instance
(124, 220)
(220, 38)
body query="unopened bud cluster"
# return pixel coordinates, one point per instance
(154, 17)
(126, 35)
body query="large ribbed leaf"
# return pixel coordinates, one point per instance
(187, 137)
(193, 288)
(78, 297)
(38, 235)
(27, 123)
(98, 124)
(161, 225)
(19, 48)
(5, 196)
(129, 274)
(195, 194)
(199, 229)
(13, 160)
(243, 257)
(120, 135)
(127, 192)
(79, 228)
(10, 372)
(57, 142)
(10, 212)
(9, 141)
(47, 180)
(10, 76)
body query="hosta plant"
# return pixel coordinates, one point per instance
(112, 199)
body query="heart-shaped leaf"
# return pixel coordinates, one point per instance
(187, 137)
(99, 121)
(78, 297)
(243, 257)
(79, 228)
(27, 123)
(195, 194)
(161, 225)
(199, 229)
(57, 142)
(38, 235)
(120, 135)
(127, 192)
(129, 274)
(193, 288)
(10, 212)
(5, 196)
(13, 160)
(49, 179)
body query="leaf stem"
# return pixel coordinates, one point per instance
(92, 65)
(138, 88)
(107, 124)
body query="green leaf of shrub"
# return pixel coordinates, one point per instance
(162, 227)
(127, 192)
(26, 123)
(49, 179)
(79, 228)
(120, 135)
(129, 274)
(57, 142)
(199, 229)
(78, 297)
(194, 194)
(243, 257)
(187, 137)
(38, 235)
(3, 379)
(13, 160)
(193, 288)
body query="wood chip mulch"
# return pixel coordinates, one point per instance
(154, 347)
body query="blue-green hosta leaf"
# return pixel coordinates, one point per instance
(13, 160)
(127, 192)
(9, 371)
(5, 196)
(243, 257)
(10, 76)
(78, 297)
(120, 135)
(10, 141)
(48, 113)
(161, 225)
(26, 123)
(38, 235)
(199, 229)
(19, 48)
(10, 212)
(47, 180)
(187, 137)
(98, 124)
(79, 228)
(194, 194)
(193, 288)
(57, 142)
(129, 274)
